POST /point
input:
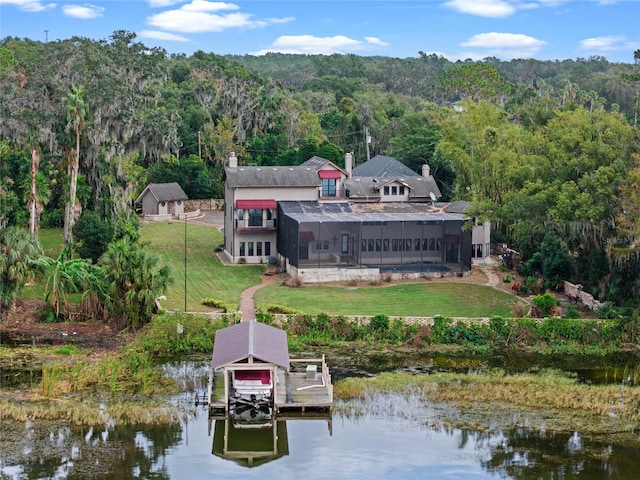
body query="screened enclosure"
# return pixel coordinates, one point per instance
(411, 239)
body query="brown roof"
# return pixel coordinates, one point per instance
(238, 342)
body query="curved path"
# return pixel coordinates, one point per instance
(247, 304)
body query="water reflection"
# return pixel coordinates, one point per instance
(385, 437)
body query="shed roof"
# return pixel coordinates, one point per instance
(250, 338)
(164, 192)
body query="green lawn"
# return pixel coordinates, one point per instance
(207, 277)
(407, 299)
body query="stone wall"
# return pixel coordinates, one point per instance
(205, 204)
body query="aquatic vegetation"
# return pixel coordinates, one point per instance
(607, 406)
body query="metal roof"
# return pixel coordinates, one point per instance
(300, 176)
(164, 192)
(346, 212)
(250, 338)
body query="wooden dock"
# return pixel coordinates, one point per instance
(296, 391)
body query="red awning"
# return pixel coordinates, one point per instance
(262, 204)
(329, 174)
(305, 236)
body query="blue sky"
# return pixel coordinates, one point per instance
(456, 29)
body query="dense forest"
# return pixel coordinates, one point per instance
(549, 151)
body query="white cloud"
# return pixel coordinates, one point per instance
(311, 45)
(157, 35)
(84, 12)
(502, 8)
(482, 8)
(376, 41)
(603, 44)
(200, 16)
(504, 45)
(162, 3)
(29, 5)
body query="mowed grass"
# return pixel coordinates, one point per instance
(449, 299)
(207, 277)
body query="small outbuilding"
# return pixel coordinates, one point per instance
(161, 201)
(249, 355)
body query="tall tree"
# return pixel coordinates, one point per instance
(76, 115)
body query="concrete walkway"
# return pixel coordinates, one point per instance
(247, 304)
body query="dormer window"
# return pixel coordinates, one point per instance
(329, 182)
(328, 187)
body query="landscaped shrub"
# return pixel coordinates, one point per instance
(224, 306)
(571, 312)
(545, 303)
(380, 323)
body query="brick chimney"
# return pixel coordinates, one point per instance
(348, 163)
(426, 170)
(233, 160)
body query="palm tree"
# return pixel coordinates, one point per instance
(133, 279)
(19, 255)
(76, 114)
(66, 275)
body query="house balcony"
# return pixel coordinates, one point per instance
(267, 226)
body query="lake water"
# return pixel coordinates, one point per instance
(392, 437)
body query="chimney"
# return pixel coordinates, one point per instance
(426, 170)
(348, 163)
(233, 160)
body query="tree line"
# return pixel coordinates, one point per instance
(548, 151)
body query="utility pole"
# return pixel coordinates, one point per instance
(46, 36)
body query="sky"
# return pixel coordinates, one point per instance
(455, 29)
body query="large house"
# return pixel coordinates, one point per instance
(324, 223)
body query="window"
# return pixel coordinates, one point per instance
(425, 244)
(255, 217)
(401, 189)
(325, 245)
(242, 252)
(267, 248)
(394, 190)
(179, 202)
(240, 214)
(328, 187)
(318, 245)
(438, 244)
(432, 244)
(378, 245)
(370, 241)
(363, 245)
(407, 244)
(345, 243)
(386, 190)
(259, 249)
(416, 244)
(394, 245)
(250, 253)
(385, 245)
(163, 203)
(269, 214)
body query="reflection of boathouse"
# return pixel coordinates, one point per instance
(251, 365)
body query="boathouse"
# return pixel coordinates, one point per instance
(255, 355)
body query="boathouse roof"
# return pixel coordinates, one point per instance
(250, 341)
